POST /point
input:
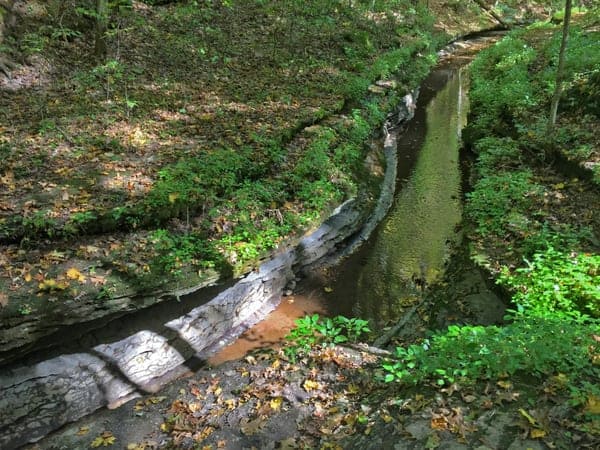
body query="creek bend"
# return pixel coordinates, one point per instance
(411, 247)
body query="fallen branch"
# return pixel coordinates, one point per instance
(492, 13)
(384, 340)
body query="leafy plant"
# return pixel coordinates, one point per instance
(315, 330)
(495, 196)
(556, 283)
(532, 346)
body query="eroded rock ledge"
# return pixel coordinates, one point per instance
(40, 395)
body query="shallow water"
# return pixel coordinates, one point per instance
(411, 246)
(413, 242)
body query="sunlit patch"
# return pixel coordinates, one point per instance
(118, 179)
(35, 74)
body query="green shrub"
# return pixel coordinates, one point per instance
(494, 197)
(315, 330)
(532, 346)
(556, 283)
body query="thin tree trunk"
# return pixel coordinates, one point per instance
(561, 66)
(8, 19)
(100, 48)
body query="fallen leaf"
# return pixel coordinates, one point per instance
(3, 299)
(104, 440)
(275, 403)
(328, 289)
(83, 431)
(439, 423)
(250, 427)
(593, 405)
(310, 385)
(505, 384)
(74, 274)
(50, 285)
(135, 446)
(387, 418)
(352, 389)
(469, 398)
(528, 416)
(536, 433)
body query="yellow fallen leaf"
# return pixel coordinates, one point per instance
(505, 384)
(52, 285)
(83, 431)
(536, 433)
(328, 289)
(134, 446)
(275, 403)
(528, 416)
(27, 277)
(74, 274)
(593, 405)
(104, 440)
(353, 389)
(387, 418)
(310, 385)
(194, 406)
(173, 197)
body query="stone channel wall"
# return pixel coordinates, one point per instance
(39, 397)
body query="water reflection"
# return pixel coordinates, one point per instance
(413, 242)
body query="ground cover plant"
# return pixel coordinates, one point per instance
(181, 151)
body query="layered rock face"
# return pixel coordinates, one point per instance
(40, 394)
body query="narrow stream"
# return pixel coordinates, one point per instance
(410, 248)
(412, 244)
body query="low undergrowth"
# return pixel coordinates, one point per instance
(535, 228)
(185, 150)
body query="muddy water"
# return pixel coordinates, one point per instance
(410, 248)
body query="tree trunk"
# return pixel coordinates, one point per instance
(561, 66)
(100, 47)
(7, 21)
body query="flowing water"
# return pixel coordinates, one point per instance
(411, 247)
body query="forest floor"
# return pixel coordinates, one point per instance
(92, 144)
(335, 396)
(185, 155)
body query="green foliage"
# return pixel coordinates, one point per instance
(315, 330)
(556, 284)
(32, 43)
(501, 90)
(496, 154)
(39, 224)
(531, 346)
(494, 198)
(176, 254)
